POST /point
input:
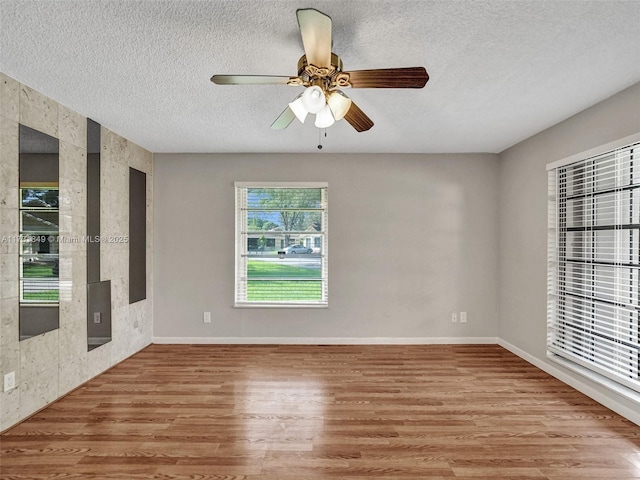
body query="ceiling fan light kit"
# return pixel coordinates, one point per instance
(298, 108)
(324, 118)
(339, 104)
(320, 72)
(314, 99)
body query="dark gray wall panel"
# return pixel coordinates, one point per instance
(36, 320)
(93, 200)
(137, 235)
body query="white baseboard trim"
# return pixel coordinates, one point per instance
(630, 414)
(325, 340)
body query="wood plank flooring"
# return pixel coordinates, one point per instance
(323, 412)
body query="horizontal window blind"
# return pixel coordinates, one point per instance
(594, 264)
(281, 244)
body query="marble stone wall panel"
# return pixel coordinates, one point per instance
(54, 363)
(10, 359)
(38, 112)
(9, 289)
(9, 162)
(73, 306)
(73, 267)
(9, 267)
(138, 157)
(9, 227)
(9, 98)
(39, 355)
(39, 372)
(98, 360)
(120, 292)
(9, 408)
(73, 197)
(73, 162)
(122, 337)
(9, 317)
(79, 229)
(10, 401)
(72, 127)
(145, 327)
(119, 149)
(73, 355)
(73, 231)
(37, 392)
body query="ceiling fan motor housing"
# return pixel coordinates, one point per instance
(327, 78)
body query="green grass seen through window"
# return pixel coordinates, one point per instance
(260, 268)
(50, 295)
(36, 270)
(282, 289)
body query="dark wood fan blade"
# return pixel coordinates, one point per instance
(315, 28)
(411, 77)
(358, 119)
(284, 120)
(249, 80)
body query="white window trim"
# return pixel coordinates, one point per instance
(325, 248)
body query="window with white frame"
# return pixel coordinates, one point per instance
(594, 264)
(39, 257)
(281, 244)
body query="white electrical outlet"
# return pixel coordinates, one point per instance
(463, 317)
(207, 317)
(9, 381)
(454, 318)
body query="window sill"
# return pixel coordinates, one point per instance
(601, 380)
(280, 305)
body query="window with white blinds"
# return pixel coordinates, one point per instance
(594, 264)
(281, 244)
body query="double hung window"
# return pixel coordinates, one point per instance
(281, 244)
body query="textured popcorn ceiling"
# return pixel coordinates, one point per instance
(500, 70)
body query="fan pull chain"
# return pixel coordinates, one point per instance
(320, 138)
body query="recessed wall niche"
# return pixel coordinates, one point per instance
(137, 235)
(98, 293)
(39, 227)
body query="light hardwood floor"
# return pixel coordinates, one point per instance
(323, 412)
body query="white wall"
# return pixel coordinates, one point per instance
(412, 238)
(523, 222)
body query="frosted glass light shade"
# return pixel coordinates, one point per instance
(313, 99)
(298, 108)
(339, 104)
(324, 118)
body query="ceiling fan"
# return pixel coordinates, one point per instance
(320, 72)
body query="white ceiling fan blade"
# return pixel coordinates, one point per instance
(284, 119)
(315, 28)
(249, 80)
